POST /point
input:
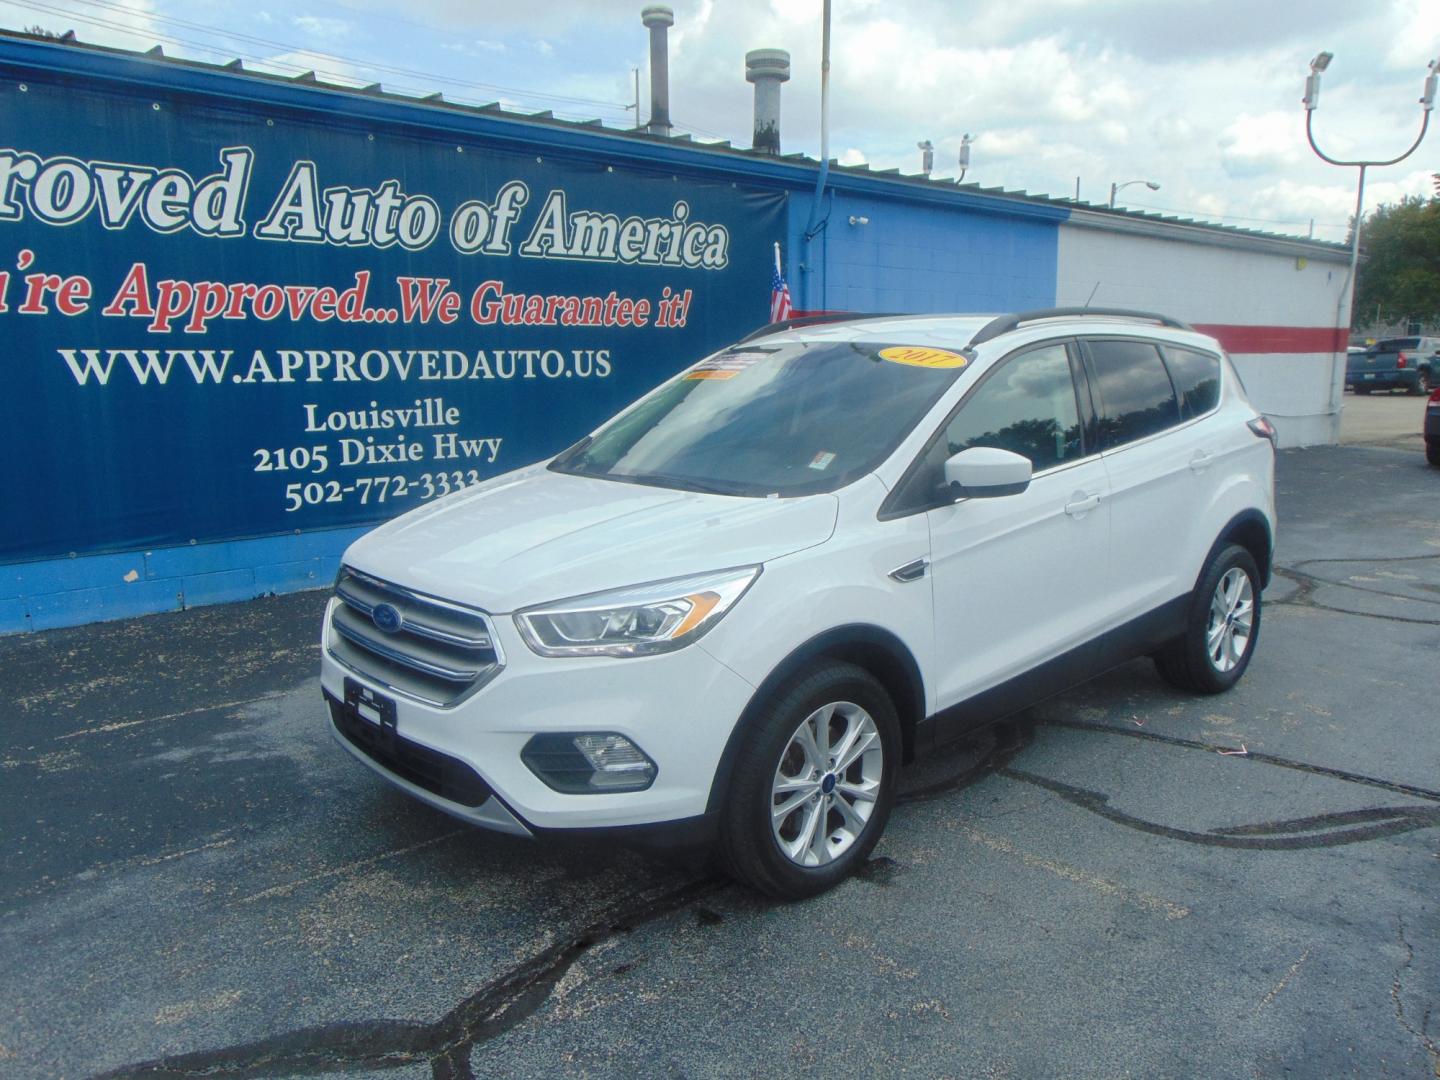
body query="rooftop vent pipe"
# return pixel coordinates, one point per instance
(659, 18)
(767, 69)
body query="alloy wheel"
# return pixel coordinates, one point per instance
(826, 784)
(1232, 617)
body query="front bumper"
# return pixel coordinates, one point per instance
(679, 707)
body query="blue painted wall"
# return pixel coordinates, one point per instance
(67, 592)
(919, 257)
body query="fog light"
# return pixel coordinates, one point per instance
(589, 763)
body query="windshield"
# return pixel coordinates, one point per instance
(792, 418)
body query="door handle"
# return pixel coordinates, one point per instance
(1083, 503)
(1201, 461)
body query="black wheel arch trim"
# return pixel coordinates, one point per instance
(861, 644)
(1237, 530)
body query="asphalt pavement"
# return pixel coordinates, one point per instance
(1123, 882)
(1393, 419)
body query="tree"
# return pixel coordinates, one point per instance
(1400, 271)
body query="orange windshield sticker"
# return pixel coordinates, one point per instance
(724, 366)
(916, 356)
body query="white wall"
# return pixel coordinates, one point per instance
(1234, 287)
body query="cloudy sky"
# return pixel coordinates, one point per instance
(1201, 97)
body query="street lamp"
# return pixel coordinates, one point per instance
(1311, 100)
(1151, 184)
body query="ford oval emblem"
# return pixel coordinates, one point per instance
(386, 618)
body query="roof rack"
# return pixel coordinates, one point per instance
(1005, 323)
(813, 320)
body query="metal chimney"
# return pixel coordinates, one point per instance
(659, 18)
(767, 69)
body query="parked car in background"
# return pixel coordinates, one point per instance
(1411, 364)
(731, 613)
(1432, 428)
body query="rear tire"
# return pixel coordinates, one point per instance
(1432, 453)
(1422, 383)
(1362, 389)
(1222, 626)
(800, 817)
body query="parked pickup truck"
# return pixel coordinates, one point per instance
(1408, 363)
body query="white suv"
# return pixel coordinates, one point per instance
(729, 615)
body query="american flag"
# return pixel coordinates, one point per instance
(779, 293)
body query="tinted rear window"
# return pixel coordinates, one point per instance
(1134, 391)
(1395, 344)
(1196, 376)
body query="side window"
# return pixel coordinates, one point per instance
(1027, 406)
(1135, 398)
(1196, 376)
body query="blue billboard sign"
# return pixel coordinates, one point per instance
(224, 321)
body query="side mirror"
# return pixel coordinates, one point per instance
(985, 472)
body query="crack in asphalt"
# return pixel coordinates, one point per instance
(1253, 756)
(445, 1044)
(1395, 995)
(1306, 585)
(1368, 559)
(1294, 834)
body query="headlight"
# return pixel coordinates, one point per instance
(636, 621)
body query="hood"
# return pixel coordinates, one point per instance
(534, 536)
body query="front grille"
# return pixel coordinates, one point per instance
(440, 774)
(430, 649)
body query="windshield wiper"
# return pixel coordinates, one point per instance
(681, 483)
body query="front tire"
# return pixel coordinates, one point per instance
(813, 784)
(1222, 626)
(1432, 453)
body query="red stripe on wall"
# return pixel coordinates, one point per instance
(1277, 339)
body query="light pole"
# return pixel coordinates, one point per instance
(1311, 100)
(1151, 184)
